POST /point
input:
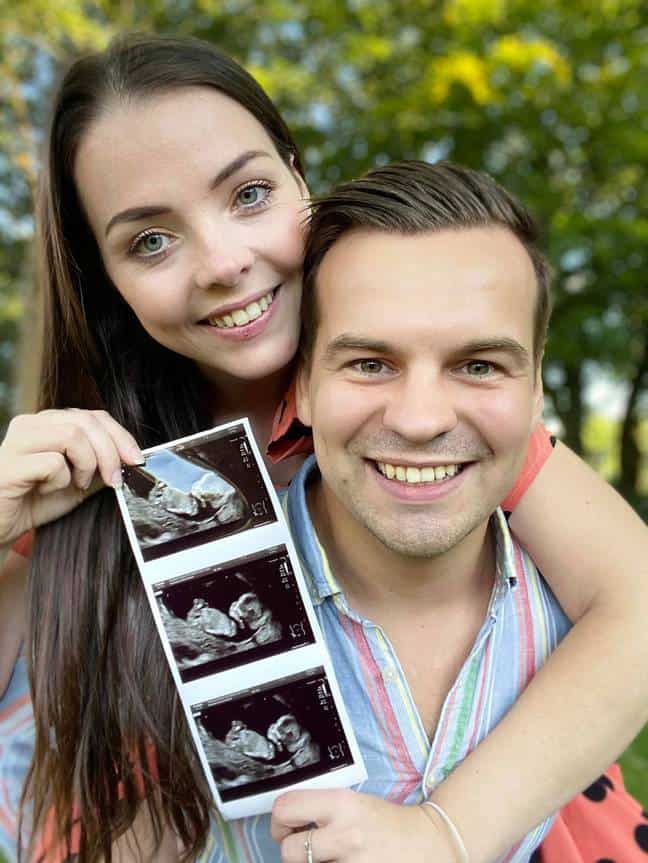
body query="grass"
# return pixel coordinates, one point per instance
(634, 763)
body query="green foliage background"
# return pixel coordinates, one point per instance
(548, 97)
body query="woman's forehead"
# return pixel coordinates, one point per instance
(141, 148)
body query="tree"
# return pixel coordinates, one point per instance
(546, 97)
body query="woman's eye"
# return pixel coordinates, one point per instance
(253, 196)
(479, 368)
(149, 245)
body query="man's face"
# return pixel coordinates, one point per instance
(423, 360)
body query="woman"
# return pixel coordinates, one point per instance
(171, 216)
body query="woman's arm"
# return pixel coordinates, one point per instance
(13, 579)
(591, 698)
(139, 845)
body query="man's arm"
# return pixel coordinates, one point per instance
(591, 698)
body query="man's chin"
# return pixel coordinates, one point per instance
(420, 542)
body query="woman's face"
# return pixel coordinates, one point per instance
(200, 227)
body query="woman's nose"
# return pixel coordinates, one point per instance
(222, 261)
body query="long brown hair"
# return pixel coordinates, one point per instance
(104, 698)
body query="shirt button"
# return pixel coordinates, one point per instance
(389, 674)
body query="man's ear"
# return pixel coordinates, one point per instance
(302, 396)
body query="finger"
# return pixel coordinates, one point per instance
(49, 471)
(298, 809)
(327, 844)
(54, 432)
(106, 452)
(96, 485)
(67, 431)
(126, 444)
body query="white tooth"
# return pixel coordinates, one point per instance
(413, 474)
(253, 311)
(269, 297)
(439, 473)
(240, 317)
(263, 303)
(451, 469)
(220, 323)
(427, 474)
(390, 471)
(401, 473)
(229, 322)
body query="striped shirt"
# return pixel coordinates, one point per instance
(524, 623)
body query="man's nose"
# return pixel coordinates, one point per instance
(222, 260)
(420, 408)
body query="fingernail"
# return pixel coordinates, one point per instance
(116, 479)
(137, 456)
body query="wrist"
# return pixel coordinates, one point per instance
(448, 846)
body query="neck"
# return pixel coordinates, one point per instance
(233, 398)
(258, 399)
(373, 576)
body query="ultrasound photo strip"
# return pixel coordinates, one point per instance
(236, 621)
(233, 614)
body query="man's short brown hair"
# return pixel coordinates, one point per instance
(415, 197)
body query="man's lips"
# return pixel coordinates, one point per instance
(415, 483)
(418, 473)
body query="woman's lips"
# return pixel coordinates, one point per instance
(250, 330)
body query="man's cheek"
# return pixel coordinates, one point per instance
(505, 418)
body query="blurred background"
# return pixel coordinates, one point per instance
(549, 97)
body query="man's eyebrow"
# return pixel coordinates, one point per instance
(351, 342)
(136, 214)
(503, 343)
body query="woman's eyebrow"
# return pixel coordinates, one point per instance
(135, 214)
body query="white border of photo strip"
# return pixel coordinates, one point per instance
(250, 675)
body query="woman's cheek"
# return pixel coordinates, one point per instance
(288, 241)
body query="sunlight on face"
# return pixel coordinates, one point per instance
(199, 224)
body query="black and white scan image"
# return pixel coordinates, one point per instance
(195, 492)
(272, 736)
(235, 613)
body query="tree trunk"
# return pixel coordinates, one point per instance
(630, 461)
(572, 416)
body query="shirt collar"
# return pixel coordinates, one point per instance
(288, 436)
(319, 576)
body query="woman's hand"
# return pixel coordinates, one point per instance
(350, 827)
(50, 461)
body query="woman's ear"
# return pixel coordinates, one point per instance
(302, 394)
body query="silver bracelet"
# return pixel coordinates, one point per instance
(458, 842)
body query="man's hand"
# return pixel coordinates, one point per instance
(52, 460)
(349, 827)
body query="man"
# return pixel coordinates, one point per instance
(426, 306)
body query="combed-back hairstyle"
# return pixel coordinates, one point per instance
(104, 699)
(415, 197)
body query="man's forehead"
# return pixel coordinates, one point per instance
(469, 278)
(447, 250)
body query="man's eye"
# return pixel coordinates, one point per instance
(149, 245)
(253, 196)
(369, 367)
(479, 368)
